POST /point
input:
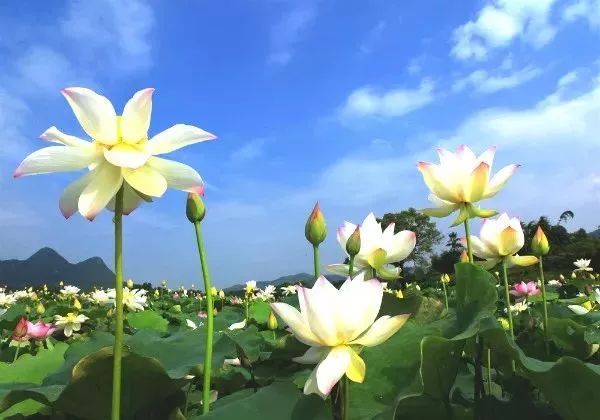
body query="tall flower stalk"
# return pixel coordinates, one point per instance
(540, 247)
(196, 211)
(118, 344)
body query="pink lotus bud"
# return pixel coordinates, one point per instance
(20, 331)
(40, 330)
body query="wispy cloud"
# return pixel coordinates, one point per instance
(117, 31)
(289, 30)
(484, 82)
(373, 37)
(588, 10)
(371, 102)
(248, 151)
(498, 24)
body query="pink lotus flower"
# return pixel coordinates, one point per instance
(202, 314)
(40, 330)
(525, 289)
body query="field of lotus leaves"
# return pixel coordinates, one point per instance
(484, 343)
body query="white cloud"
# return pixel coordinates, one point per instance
(290, 29)
(370, 102)
(484, 82)
(584, 9)
(115, 30)
(14, 113)
(373, 37)
(249, 151)
(499, 23)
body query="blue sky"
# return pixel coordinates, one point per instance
(311, 100)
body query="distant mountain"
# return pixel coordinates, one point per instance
(596, 233)
(304, 278)
(47, 266)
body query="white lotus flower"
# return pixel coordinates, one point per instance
(250, 286)
(133, 299)
(119, 154)
(70, 290)
(267, 294)
(583, 265)
(586, 306)
(69, 323)
(191, 324)
(554, 283)
(519, 307)
(335, 323)
(288, 290)
(100, 297)
(378, 248)
(7, 300)
(500, 239)
(460, 179)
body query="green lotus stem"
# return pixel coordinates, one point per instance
(316, 261)
(489, 370)
(351, 267)
(468, 239)
(209, 321)
(507, 299)
(118, 344)
(445, 294)
(246, 305)
(345, 396)
(545, 303)
(17, 351)
(187, 399)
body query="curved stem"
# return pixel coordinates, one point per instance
(351, 267)
(316, 261)
(468, 238)
(489, 371)
(210, 313)
(543, 284)
(118, 344)
(17, 351)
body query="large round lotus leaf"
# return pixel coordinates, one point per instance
(88, 395)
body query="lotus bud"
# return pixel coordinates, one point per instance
(464, 257)
(61, 284)
(40, 309)
(272, 321)
(221, 294)
(163, 283)
(353, 243)
(195, 209)
(214, 291)
(192, 286)
(215, 312)
(76, 304)
(539, 243)
(561, 277)
(445, 278)
(175, 309)
(110, 313)
(399, 294)
(130, 283)
(27, 309)
(497, 274)
(315, 229)
(20, 330)
(156, 293)
(504, 323)
(573, 275)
